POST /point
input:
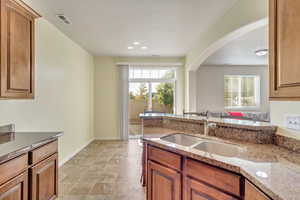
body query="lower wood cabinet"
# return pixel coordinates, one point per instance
(195, 190)
(171, 176)
(44, 179)
(31, 176)
(252, 193)
(163, 183)
(15, 189)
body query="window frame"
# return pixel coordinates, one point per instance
(257, 92)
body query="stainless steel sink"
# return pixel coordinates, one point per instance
(223, 149)
(182, 139)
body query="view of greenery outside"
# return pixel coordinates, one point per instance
(239, 91)
(141, 93)
(165, 94)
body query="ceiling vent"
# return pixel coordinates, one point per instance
(63, 18)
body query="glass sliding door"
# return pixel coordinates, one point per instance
(138, 103)
(151, 90)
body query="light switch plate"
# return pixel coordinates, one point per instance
(292, 122)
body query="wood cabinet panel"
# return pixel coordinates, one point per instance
(15, 189)
(17, 50)
(43, 152)
(13, 168)
(251, 193)
(284, 49)
(163, 183)
(44, 179)
(169, 159)
(195, 190)
(219, 178)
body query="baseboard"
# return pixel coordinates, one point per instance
(108, 138)
(61, 163)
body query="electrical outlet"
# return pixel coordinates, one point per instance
(292, 121)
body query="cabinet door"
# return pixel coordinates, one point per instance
(15, 189)
(195, 190)
(17, 50)
(251, 193)
(44, 179)
(284, 49)
(163, 183)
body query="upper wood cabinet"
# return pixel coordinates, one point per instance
(17, 50)
(284, 49)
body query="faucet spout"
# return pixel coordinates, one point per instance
(207, 126)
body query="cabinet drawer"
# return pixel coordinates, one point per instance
(43, 152)
(222, 179)
(13, 168)
(169, 159)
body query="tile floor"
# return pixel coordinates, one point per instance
(103, 171)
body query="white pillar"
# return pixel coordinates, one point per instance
(190, 91)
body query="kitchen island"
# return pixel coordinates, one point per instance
(243, 130)
(252, 172)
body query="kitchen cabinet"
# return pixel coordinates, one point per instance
(15, 189)
(163, 183)
(251, 192)
(33, 175)
(172, 176)
(44, 178)
(17, 38)
(284, 43)
(196, 190)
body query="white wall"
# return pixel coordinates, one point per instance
(243, 13)
(106, 99)
(64, 92)
(278, 111)
(210, 85)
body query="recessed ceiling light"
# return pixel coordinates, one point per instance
(144, 47)
(136, 43)
(130, 47)
(261, 52)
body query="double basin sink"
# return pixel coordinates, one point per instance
(219, 148)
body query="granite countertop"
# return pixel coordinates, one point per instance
(17, 143)
(273, 169)
(237, 123)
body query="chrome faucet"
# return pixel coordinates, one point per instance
(207, 126)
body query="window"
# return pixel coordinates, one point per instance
(241, 91)
(136, 73)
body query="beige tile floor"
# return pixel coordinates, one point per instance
(103, 171)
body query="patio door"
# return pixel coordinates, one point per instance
(151, 90)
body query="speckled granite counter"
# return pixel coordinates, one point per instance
(17, 143)
(244, 130)
(276, 171)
